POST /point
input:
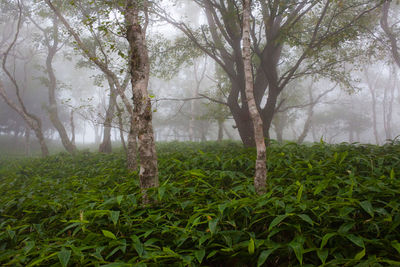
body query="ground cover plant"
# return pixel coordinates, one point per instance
(329, 205)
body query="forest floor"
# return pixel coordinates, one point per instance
(332, 205)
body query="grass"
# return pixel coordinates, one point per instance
(329, 205)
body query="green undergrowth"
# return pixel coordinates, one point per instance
(327, 205)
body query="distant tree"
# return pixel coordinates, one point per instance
(391, 30)
(32, 120)
(290, 39)
(51, 39)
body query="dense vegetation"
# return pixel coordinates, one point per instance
(326, 204)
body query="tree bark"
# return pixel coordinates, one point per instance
(121, 129)
(105, 146)
(31, 120)
(389, 33)
(260, 176)
(140, 70)
(72, 123)
(131, 157)
(52, 85)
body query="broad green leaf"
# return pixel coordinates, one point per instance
(213, 225)
(161, 192)
(396, 245)
(276, 221)
(64, 256)
(306, 218)
(108, 234)
(264, 256)
(356, 240)
(360, 255)
(392, 174)
(114, 215)
(199, 254)
(367, 206)
(138, 245)
(119, 199)
(326, 238)
(298, 250)
(251, 246)
(323, 254)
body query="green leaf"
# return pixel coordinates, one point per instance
(199, 254)
(356, 240)
(367, 206)
(251, 246)
(392, 174)
(322, 255)
(161, 192)
(306, 218)
(264, 256)
(29, 245)
(212, 224)
(114, 215)
(108, 234)
(299, 193)
(119, 199)
(298, 250)
(360, 255)
(276, 221)
(326, 238)
(64, 256)
(396, 245)
(138, 245)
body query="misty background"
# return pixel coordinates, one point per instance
(358, 101)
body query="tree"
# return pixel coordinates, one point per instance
(282, 52)
(31, 119)
(391, 31)
(260, 175)
(53, 43)
(139, 68)
(102, 64)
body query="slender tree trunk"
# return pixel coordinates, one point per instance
(31, 120)
(260, 176)
(374, 116)
(121, 128)
(220, 130)
(140, 70)
(227, 132)
(52, 85)
(308, 123)
(131, 156)
(27, 142)
(72, 123)
(389, 33)
(105, 146)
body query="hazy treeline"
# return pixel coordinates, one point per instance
(344, 89)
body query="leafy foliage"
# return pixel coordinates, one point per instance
(326, 204)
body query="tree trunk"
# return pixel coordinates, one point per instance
(389, 33)
(121, 129)
(53, 112)
(140, 70)
(131, 157)
(220, 130)
(373, 99)
(71, 121)
(105, 146)
(260, 176)
(27, 142)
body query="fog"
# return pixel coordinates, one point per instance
(344, 90)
